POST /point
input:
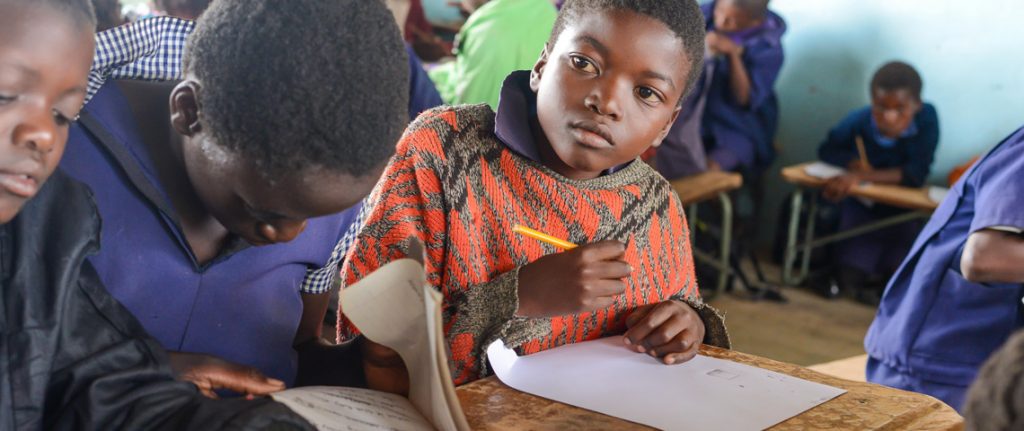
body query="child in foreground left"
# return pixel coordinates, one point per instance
(560, 155)
(71, 356)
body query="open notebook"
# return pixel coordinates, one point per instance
(394, 307)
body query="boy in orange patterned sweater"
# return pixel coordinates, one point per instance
(560, 155)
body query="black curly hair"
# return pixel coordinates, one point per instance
(297, 84)
(897, 75)
(995, 400)
(683, 17)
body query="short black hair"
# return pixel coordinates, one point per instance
(80, 11)
(897, 75)
(756, 8)
(683, 17)
(995, 400)
(297, 84)
(108, 14)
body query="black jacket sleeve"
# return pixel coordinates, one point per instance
(108, 374)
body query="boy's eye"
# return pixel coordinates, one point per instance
(5, 99)
(61, 119)
(648, 95)
(583, 64)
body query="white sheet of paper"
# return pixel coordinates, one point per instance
(353, 409)
(702, 394)
(823, 170)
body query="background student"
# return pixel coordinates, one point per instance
(900, 134)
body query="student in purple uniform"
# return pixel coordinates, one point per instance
(741, 114)
(900, 134)
(71, 356)
(957, 296)
(219, 204)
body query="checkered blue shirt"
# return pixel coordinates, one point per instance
(151, 50)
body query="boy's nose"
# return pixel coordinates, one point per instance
(602, 105)
(891, 116)
(37, 133)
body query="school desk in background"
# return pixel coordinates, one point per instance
(811, 176)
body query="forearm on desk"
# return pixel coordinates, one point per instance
(992, 256)
(882, 176)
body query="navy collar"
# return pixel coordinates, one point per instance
(517, 108)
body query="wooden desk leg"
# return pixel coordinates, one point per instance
(726, 246)
(789, 258)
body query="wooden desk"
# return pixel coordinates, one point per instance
(490, 405)
(701, 187)
(897, 196)
(915, 199)
(698, 188)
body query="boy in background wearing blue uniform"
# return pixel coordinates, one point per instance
(900, 134)
(957, 296)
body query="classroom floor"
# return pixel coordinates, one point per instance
(807, 330)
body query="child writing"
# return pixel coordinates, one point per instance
(221, 206)
(957, 296)
(559, 155)
(898, 134)
(72, 357)
(741, 113)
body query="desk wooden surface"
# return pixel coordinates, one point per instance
(490, 405)
(897, 196)
(704, 186)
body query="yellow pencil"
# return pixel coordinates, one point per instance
(543, 237)
(863, 153)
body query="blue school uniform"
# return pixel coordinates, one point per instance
(880, 252)
(934, 329)
(741, 137)
(422, 93)
(243, 306)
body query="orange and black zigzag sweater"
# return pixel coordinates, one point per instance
(456, 187)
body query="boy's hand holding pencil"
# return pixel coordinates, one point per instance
(584, 278)
(590, 277)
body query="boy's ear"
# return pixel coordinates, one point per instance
(185, 108)
(538, 69)
(668, 127)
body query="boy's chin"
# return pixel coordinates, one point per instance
(9, 208)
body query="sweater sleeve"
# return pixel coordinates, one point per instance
(109, 375)
(406, 203)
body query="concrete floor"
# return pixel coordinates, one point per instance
(807, 330)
